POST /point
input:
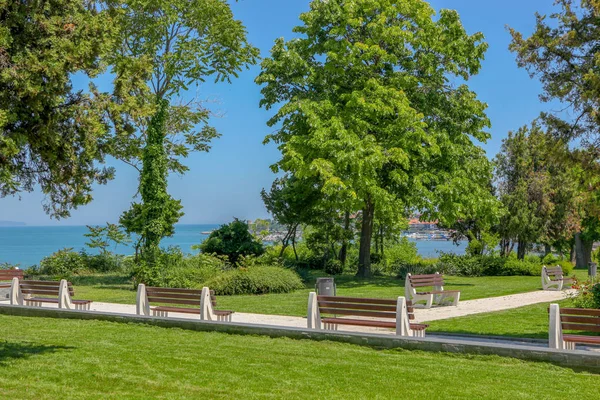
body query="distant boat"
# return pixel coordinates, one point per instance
(206, 232)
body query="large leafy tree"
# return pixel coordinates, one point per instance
(51, 135)
(562, 52)
(165, 47)
(373, 104)
(536, 185)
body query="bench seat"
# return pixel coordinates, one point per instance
(439, 292)
(189, 310)
(368, 322)
(54, 301)
(582, 339)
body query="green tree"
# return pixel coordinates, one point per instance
(369, 97)
(562, 53)
(158, 213)
(233, 240)
(52, 135)
(291, 202)
(165, 46)
(536, 185)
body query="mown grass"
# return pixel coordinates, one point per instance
(51, 358)
(524, 322)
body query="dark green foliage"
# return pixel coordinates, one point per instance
(232, 240)
(173, 268)
(156, 216)
(494, 265)
(256, 280)
(62, 264)
(50, 134)
(417, 267)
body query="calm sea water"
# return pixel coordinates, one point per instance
(27, 245)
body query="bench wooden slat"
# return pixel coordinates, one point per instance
(361, 313)
(581, 327)
(190, 310)
(173, 290)
(175, 296)
(153, 299)
(582, 339)
(42, 300)
(47, 292)
(44, 283)
(590, 320)
(579, 311)
(373, 307)
(358, 300)
(360, 322)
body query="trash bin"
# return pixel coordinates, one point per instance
(592, 269)
(325, 287)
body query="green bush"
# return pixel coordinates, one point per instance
(426, 266)
(334, 267)
(255, 280)
(463, 265)
(62, 264)
(103, 262)
(233, 240)
(492, 265)
(526, 267)
(173, 268)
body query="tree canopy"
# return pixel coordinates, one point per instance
(52, 135)
(372, 102)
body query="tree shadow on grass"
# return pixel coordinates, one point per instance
(13, 351)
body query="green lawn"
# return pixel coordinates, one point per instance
(117, 289)
(52, 358)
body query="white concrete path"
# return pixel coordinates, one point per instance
(468, 307)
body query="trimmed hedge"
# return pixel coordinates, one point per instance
(255, 280)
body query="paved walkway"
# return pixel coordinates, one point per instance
(464, 308)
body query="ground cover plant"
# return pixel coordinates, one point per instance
(91, 359)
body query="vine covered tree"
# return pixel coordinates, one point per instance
(164, 47)
(372, 105)
(52, 135)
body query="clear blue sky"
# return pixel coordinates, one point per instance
(226, 182)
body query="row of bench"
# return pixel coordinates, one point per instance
(324, 312)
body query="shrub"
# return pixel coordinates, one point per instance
(588, 295)
(513, 266)
(334, 267)
(103, 262)
(62, 264)
(255, 280)
(464, 265)
(232, 240)
(426, 266)
(173, 268)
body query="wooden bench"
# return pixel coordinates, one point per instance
(380, 313)
(7, 275)
(580, 320)
(204, 300)
(437, 294)
(36, 293)
(552, 278)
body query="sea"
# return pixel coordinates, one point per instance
(27, 245)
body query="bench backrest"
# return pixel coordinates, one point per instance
(181, 296)
(361, 307)
(554, 271)
(44, 288)
(8, 274)
(426, 280)
(580, 319)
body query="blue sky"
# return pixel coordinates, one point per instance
(226, 182)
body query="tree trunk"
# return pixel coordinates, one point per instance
(521, 250)
(294, 242)
(583, 251)
(344, 250)
(366, 234)
(572, 254)
(547, 249)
